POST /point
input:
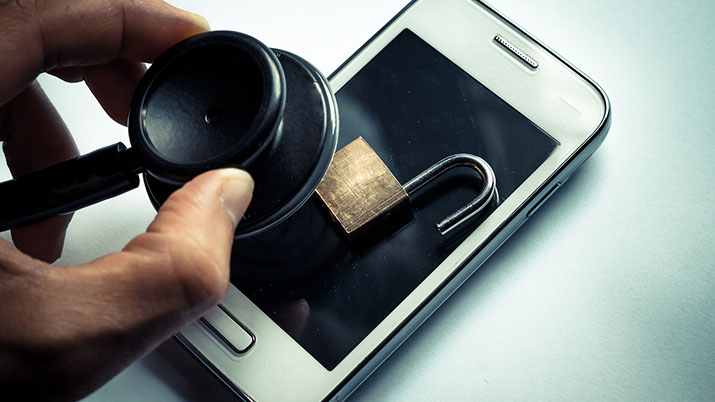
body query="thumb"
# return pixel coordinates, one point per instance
(179, 268)
(193, 234)
(81, 325)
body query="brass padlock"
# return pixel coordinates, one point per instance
(359, 190)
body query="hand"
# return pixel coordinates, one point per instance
(64, 331)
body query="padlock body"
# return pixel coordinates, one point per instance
(359, 191)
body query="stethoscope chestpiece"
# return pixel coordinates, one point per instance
(224, 99)
(217, 99)
(213, 100)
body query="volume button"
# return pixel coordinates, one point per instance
(543, 199)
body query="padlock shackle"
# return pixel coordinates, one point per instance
(477, 205)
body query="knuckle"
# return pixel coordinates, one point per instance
(199, 275)
(204, 278)
(186, 197)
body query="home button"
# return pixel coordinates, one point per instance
(229, 330)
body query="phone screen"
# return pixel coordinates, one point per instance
(414, 107)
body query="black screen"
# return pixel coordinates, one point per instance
(414, 107)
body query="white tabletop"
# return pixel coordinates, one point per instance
(607, 293)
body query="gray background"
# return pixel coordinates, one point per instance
(607, 293)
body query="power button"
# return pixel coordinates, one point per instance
(543, 199)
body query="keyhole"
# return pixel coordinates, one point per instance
(212, 115)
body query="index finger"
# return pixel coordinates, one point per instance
(39, 36)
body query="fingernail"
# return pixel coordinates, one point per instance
(236, 193)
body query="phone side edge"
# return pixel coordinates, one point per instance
(586, 149)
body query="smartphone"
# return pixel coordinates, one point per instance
(309, 316)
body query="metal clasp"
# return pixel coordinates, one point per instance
(482, 200)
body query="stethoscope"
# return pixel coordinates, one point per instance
(214, 100)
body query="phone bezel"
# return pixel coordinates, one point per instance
(277, 365)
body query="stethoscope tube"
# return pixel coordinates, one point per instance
(68, 186)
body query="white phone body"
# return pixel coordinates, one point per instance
(558, 99)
